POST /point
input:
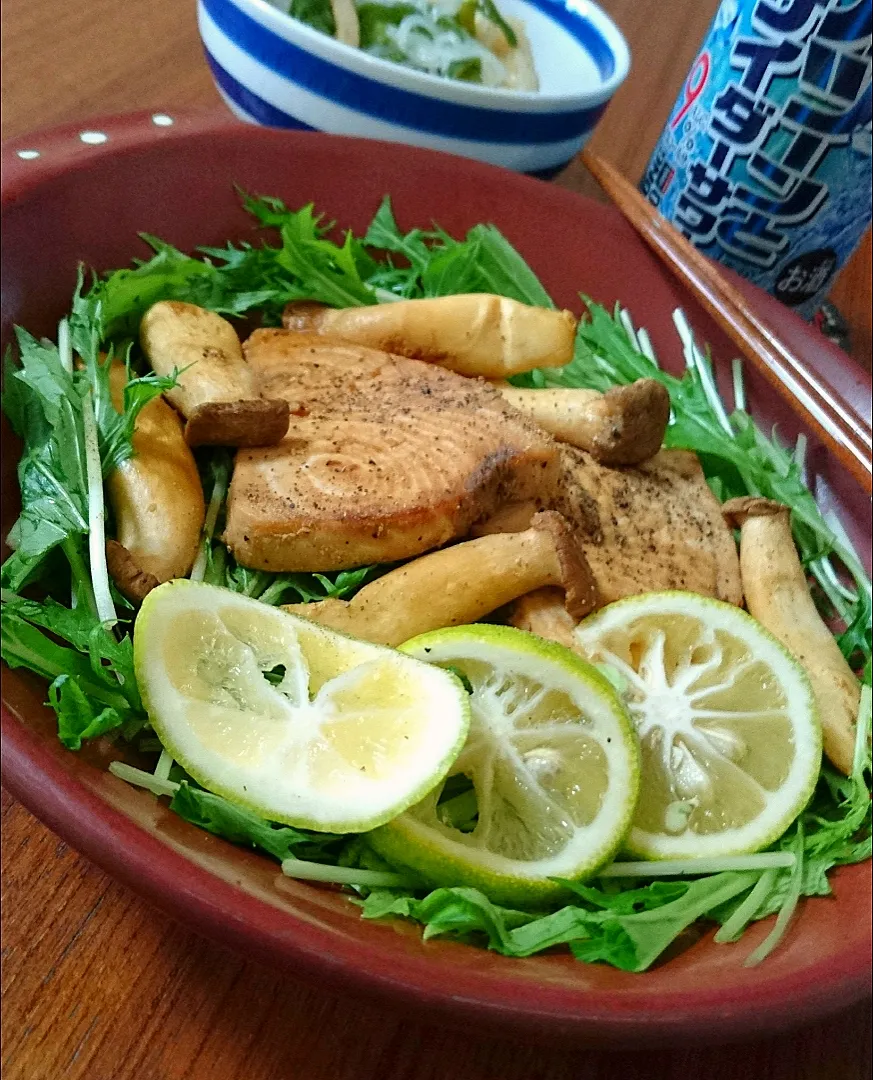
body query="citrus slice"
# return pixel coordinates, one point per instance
(550, 766)
(728, 727)
(298, 723)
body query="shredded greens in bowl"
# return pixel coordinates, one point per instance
(465, 40)
(63, 619)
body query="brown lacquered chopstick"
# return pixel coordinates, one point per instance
(836, 421)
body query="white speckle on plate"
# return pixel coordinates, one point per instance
(28, 155)
(93, 138)
(160, 119)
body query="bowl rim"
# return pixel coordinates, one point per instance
(228, 914)
(399, 77)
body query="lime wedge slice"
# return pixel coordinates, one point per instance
(550, 766)
(299, 723)
(728, 727)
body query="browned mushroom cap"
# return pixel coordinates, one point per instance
(216, 391)
(580, 589)
(737, 511)
(258, 422)
(623, 426)
(778, 596)
(132, 581)
(460, 584)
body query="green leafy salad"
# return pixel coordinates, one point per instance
(64, 619)
(466, 40)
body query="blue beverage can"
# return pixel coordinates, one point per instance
(765, 161)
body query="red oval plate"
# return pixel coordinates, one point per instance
(86, 200)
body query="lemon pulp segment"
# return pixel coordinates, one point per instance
(300, 723)
(728, 728)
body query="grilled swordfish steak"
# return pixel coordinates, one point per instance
(385, 458)
(654, 526)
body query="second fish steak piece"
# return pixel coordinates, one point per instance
(652, 527)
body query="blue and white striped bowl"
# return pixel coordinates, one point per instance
(273, 70)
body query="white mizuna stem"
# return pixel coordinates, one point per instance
(219, 490)
(142, 779)
(96, 516)
(343, 875)
(846, 552)
(827, 570)
(695, 359)
(65, 348)
(786, 911)
(862, 730)
(827, 577)
(739, 384)
(737, 923)
(800, 453)
(645, 344)
(765, 860)
(65, 355)
(385, 296)
(625, 318)
(165, 763)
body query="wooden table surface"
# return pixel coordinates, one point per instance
(97, 985)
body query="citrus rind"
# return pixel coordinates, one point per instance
(536, 765)
(712, 751)
(343, 737)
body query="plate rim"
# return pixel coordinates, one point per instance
(194, 895)
(229, 915)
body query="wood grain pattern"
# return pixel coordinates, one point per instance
(98, 986)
